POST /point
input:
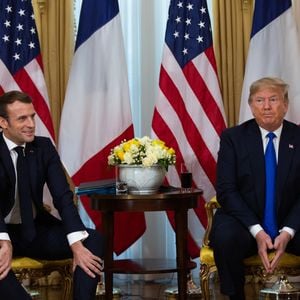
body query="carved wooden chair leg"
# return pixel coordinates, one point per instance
(204, 283)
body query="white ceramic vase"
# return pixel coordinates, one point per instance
(142, 180)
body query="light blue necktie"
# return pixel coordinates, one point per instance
(270, 223)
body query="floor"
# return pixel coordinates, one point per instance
(161, 289)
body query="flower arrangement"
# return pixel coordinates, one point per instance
(142, 151)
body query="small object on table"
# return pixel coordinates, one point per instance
(186, 177)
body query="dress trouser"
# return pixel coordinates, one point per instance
(51, 243)
(232, 243)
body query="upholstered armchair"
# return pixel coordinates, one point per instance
(289, 264)
(33, 269)
(25, 267)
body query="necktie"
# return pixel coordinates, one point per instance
(270, 223)
(28, 228)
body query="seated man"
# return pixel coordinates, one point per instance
(258, 176)
(27, 162)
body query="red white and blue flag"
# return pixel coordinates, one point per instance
(189, 114)
(21, 65)
(274, 50)
(96, 114)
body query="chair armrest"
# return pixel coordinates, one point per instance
(210, 207)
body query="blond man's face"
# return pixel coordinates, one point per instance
(269, 107)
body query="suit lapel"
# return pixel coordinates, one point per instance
(257, 162)
(286, 152)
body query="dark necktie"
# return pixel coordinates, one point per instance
(28, 228)
(270, 223)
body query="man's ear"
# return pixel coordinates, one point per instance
(3, 123)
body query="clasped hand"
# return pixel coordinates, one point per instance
(265, 245)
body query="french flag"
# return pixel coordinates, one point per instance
(274, 51)
(96, 114)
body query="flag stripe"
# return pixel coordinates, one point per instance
(201, 89)
(191, 133)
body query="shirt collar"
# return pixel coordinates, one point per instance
(10, 144)
(277, 132)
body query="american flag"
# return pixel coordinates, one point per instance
(189, 114)
(20, 59)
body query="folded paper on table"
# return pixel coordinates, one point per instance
(106, 186)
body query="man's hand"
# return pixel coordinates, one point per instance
(5, 258)
(280, 244)
(86, 260)
(264, 243)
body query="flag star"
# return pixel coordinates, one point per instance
(203, 10)
(7, 23)
(31, 45)
(5, 38)
(16, 56)
(180, 4)
(190, 6)
(178, 20)
(176, 34)
(32, 16)
(199, 39)
(188, 21)
(20, 27)
(18, 42)
(32, 30)
(201, 24)
(187, 36)
(21, 12)
(8, 9)
(185, 51)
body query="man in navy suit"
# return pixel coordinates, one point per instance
(238, 226)
(51, 238)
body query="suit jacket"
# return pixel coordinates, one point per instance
(241, 175)
(44, 167)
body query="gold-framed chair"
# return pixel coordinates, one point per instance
(25, 268)
(289, 263)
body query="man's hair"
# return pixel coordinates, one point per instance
(11, 97)
(269, 82)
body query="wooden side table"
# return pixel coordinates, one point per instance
(171, 199)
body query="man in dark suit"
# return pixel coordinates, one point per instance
(46, 237)
(240, 227)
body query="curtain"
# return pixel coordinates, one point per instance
(231, 33)
(55, 24)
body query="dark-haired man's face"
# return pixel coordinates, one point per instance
(19, 127)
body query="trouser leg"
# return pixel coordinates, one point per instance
(84, 285)
(10, 288)
(231, 243)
